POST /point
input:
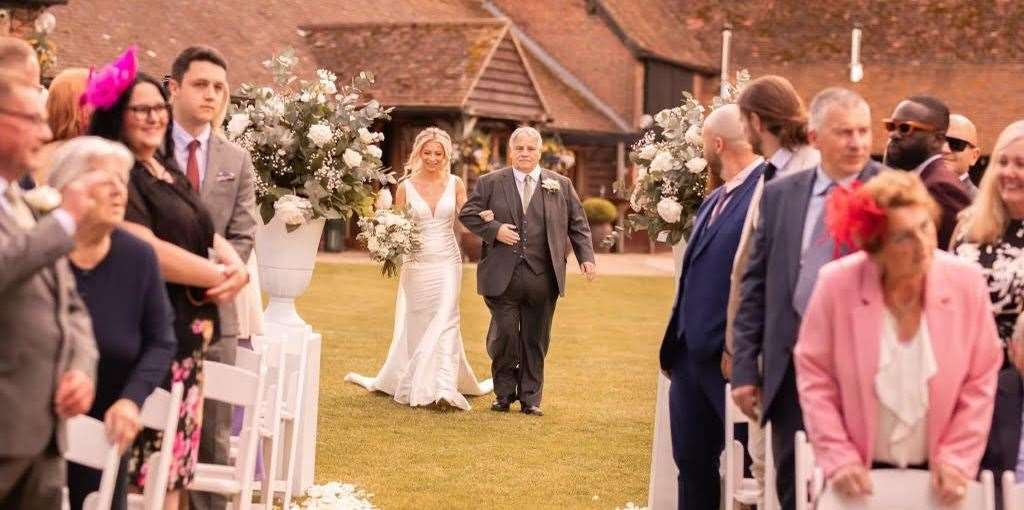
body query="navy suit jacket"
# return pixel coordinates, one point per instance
(703, 294)
(766, 322)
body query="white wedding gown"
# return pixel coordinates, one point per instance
(426, 363)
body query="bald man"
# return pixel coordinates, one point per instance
(691, 350)
(961, 150)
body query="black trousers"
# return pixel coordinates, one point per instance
(521, 319)
(786, 418)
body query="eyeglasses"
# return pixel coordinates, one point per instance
(142, 111)
(906, 127)
(34, 118)
(958, 145)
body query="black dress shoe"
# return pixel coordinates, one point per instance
(501, 406)
(534, 410)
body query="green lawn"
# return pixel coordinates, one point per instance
(591, 450)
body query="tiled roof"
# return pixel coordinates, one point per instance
(657, 28)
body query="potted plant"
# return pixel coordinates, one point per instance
(600, 213)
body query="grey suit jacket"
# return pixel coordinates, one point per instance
(563, 216)
(228, 191)
(766, 323)
(45, 331)
(803, 158)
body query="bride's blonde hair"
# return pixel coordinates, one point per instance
(431, 134)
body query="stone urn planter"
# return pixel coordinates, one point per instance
(286, 261)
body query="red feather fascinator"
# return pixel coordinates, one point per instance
(853, 217)
(106, 85)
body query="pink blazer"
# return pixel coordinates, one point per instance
(836, 359)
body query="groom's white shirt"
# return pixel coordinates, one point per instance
(521, 178)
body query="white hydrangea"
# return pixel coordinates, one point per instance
(662, 162)
(696, 165)
(648, 152)
(320, 134)
(294, 210)
(352, 158)
(238, 124)
(693, 135)
(670, 210)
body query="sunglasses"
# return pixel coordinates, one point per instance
(906, 127)
(958, 145)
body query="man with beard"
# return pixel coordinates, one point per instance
(917, 133)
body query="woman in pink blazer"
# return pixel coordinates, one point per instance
(897, 356)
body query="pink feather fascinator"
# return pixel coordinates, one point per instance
(106, 85)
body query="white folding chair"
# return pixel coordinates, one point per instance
(1013, 492)
(809, 478)
(88, 445)
(159, 412)
(909, 489)
(737, 488)
(244, 388)
(295, 359)
(770, 498)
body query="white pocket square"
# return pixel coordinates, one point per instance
(225, 176)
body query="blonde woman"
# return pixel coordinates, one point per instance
(427, 363)
(991, 231)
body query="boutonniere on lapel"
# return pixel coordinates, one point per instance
(42, 199)
(551, 185)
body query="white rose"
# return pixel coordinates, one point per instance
(693, 135)
(670, 210)
(641, 172)
(320, 134)
(294, 210)
(696, 165)
(352, 158)
(384, 199)
(366, 136)
(238, 123)
(663, 162)
(374, 151)
(647, 152)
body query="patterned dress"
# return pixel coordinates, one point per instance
(1002, 262)
(175, 214)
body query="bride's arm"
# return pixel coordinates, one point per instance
(400, 199)
(460, 193)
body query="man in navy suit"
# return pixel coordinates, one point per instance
(789, 246)
(691, 351)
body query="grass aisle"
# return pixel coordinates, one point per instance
(599, 400)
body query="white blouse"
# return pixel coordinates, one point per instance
(901, 385)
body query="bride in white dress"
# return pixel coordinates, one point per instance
(427, 363)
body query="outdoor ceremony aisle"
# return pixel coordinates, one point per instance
(591, 450)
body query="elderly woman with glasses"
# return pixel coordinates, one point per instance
(897, 355)
(991, 232)
(118, 278)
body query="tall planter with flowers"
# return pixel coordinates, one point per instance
(315, 158)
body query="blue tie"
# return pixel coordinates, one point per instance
(820, 251)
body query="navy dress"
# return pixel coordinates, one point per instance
(132, 321)
(174, 212)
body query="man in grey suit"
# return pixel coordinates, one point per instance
(222, 173)
(789, 245)
(48, 353)
(522, 269)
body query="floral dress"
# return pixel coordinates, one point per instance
(175, 214)
(1002, 262)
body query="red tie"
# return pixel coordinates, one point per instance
(192, 172)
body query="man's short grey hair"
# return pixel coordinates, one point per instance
(72, 159)
(831, 97)
(526, 131)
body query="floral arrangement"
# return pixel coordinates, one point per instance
(476, 151)
(556, 156)
(671, 169)
(311, 144)
(390, 235)
(333, 496)
(46, 49)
